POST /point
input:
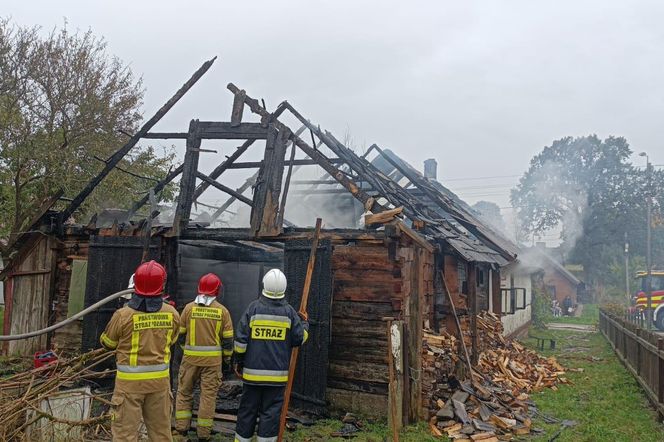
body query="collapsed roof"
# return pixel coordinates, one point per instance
(433, 210)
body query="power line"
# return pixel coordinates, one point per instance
(480, 178)
(490, 186)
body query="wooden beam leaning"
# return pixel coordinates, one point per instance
(303, 312)
(188, 181)
(317, 156)
(247, 184)
(223, 188)
(216, 173)
(120, 153)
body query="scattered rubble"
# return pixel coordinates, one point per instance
(495, 405)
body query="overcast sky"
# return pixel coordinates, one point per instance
(480, 86)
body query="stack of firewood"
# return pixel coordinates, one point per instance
(493, 403)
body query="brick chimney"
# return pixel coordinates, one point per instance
(430, 169)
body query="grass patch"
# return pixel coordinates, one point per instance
(604, 400)
(372, 432)
(589, 316)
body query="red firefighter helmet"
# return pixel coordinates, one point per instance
(149, 279)
(209, 285)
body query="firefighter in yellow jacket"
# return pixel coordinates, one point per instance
(207, 334)
(142, 333)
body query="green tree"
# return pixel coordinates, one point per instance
(65, 106)
(588, 187)
(490, 213)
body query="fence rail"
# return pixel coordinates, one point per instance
(641, 351)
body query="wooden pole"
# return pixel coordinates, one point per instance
(303, 309)
(456, 319)
(393, 382)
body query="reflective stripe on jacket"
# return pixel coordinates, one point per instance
(143, 347)
(265, 336)
(209, 334)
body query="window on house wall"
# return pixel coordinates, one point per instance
(479, 276)
(463, 280)
(79, 273)
(520, 298)
(551, 290)
(507, 301)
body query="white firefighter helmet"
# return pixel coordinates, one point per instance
(274, 284)
(129, 286)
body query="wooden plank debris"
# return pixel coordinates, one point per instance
(382, 217)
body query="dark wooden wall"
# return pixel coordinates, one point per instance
(371, 282)
(367, 286)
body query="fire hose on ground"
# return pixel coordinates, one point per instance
(69, 320)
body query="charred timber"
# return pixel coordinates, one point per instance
(120, 153)
(230, 234)
(156, 189)
(223, 188)
(216, 173)
(302, 162)
(188, 180)
(324, 162)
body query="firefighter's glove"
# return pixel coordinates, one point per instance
(303, 315)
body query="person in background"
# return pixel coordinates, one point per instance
(206, 333)
(567, 306)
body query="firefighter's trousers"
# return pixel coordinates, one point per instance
(127, 409)
(210, 381)
(264, 404)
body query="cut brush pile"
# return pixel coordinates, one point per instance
(22, 395)
(495, 405)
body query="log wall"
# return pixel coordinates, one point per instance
(372, 282)
(367, 286)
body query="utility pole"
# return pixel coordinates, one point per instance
(627, 289)
(649, 318)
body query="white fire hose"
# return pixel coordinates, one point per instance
(80, 314)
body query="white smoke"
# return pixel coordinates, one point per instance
(558, 190)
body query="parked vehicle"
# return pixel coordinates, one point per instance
(657, 287)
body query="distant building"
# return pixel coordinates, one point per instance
(516, 297)
(558, 281)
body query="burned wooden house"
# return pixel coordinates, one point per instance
(395, 243)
